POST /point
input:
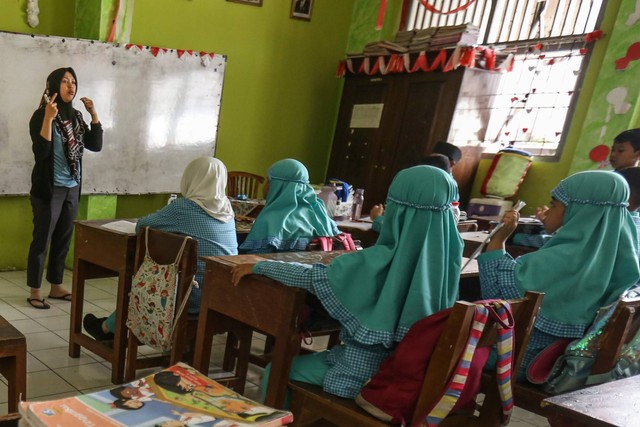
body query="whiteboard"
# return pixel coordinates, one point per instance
(159, 110)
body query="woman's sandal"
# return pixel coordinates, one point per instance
(43, 306)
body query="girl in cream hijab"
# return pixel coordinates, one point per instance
(203, 212)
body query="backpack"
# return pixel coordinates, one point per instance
(392, 393)
(152, 299)
(572, 370)
(342, 241)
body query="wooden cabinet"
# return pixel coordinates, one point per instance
(417, 111)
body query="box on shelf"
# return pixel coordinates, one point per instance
(488, 207)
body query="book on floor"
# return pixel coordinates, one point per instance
(176, 396)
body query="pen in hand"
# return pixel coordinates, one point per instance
(479, 249)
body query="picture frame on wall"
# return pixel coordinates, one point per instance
(301, 9)
(249, 2)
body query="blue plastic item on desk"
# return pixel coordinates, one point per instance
(242, 197)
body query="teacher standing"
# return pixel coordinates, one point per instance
(59, 135)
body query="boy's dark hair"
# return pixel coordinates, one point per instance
(439, 161)
(632, 176)
(453, 152)
(632, 136)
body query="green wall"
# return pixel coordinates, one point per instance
(280, 95)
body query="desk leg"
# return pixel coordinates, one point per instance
(283, 353)
(77, 289)
(121, 331)
(14, 369)
(204, 337)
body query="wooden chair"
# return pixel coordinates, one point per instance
(164, 248)
(243, 183)
(621, 328)
(310, 403)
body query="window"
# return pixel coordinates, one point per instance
(529, 108)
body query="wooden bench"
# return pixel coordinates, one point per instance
(310, 403)
(13, 363)
(619, 330)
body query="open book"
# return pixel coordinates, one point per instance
(176, 396)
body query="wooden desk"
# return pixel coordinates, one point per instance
(473, 239)
(615, 403)
(13, 363)
(263, 305)
(101, 252)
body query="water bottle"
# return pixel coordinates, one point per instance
(328, 196)
(358, 201)
(455, 207)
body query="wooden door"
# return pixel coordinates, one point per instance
(416, 113)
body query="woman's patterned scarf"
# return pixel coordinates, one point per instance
(72, 134)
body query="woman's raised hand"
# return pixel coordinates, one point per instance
(88, 104)
(51, 108)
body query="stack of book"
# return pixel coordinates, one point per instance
(383, 47)
(403, 38)
(421, 39)
(177, 396)
(455, 35)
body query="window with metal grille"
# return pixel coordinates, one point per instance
(532, 106)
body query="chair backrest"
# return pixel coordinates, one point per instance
(243, 183)
(450, 346)
(310, 402)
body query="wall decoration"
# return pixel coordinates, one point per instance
(32, 13)
(635, 16)
(617, 98)
(633, 54)
(250, 2)
(301, 9)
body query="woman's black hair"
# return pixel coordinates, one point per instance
(169, 381)
(121, 404)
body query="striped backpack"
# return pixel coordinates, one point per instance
(392, 393)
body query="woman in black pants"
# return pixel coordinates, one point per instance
(59, 135)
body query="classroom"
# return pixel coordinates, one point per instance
(288, 86)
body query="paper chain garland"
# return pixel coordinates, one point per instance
(445, 60)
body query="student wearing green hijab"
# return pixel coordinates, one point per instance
(378, 293)
(292, 216)
(588, 263)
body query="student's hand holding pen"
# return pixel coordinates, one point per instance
(507, 227)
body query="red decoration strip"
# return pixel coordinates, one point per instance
(420, 64)
(593, 36)
(155, 51)
(460, 8)
(381, 12)
(445, 59)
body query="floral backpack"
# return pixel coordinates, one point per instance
(152, 300)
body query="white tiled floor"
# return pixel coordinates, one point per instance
(52, 374)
